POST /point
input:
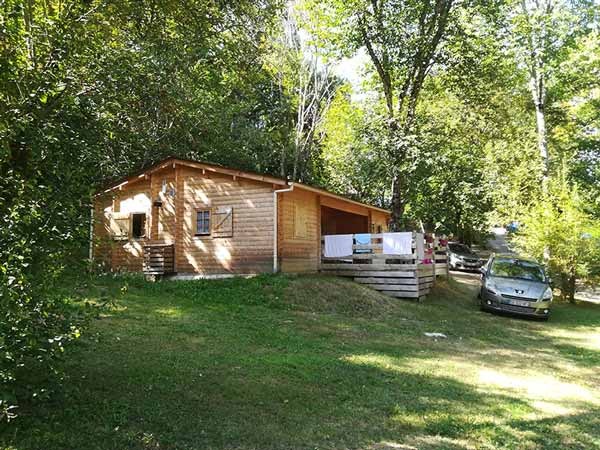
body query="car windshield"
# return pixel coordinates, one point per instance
(514, 268)
(460, 248)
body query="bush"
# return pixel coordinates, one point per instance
(559, 230)
(36, 321)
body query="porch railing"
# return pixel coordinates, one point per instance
(407, 276)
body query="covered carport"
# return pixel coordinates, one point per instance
(339, 217)
(335, 221)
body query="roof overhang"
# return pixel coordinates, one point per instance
(205, 167)
(173, 162)
(338, 197)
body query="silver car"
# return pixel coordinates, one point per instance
(462, 257)
(517, 285)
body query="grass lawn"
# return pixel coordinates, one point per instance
(312, 362)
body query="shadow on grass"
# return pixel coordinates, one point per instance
(231, 365)
(277, 400)
(579, 355)
(573, 431)
(580, 315)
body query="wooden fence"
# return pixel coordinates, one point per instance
(404, 276)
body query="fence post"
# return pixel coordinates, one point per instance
(433, 261)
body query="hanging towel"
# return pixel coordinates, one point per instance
(363, 239)
(397, 243)
(338, 245)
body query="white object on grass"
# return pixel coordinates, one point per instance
(436, 335)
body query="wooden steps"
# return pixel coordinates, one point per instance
(159, 259)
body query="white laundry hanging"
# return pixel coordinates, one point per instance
(338, 245)
(397, 243)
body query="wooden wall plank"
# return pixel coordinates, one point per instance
(299, 252)
(249, 250)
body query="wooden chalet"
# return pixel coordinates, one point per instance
(193, 218)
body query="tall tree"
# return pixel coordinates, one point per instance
(351, 156)
(578, 134)
(306, 81)
(403, 41)
(559, 228)
(544, 32)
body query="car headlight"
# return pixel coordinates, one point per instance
(491, 287)
(547, 294)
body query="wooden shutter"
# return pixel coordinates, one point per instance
(119, 226)
(300, 220)
(222, 222)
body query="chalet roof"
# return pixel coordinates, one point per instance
(215, 168)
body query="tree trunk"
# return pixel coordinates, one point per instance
(537, 42)
(540, 116)
(398, 204)
(282, 162)
(571, 287)
(403, 84)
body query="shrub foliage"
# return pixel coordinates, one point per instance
(559, 229)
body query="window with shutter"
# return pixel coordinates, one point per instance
(119, 226)
(203, 222)
(222, 222)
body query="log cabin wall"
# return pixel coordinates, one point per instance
(250, 247)
(126, 254)
(304, 215)
(163, 219)
(245, 205)
(183, 191)
(379, 221)
(101, 240)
